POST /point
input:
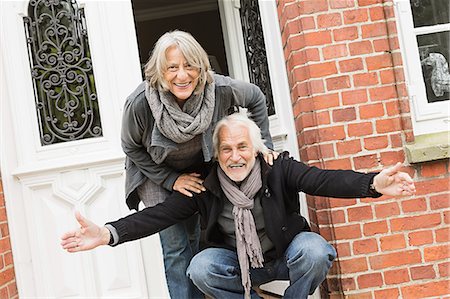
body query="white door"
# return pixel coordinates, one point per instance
(45, 184)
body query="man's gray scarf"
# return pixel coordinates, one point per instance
(181, 124)
(247, 241)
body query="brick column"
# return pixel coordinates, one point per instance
(351, 111)
(8, 288)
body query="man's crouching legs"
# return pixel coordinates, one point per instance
(216, 272)
(308, 258)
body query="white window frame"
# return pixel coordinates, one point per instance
(427, 118)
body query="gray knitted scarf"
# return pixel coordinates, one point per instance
(247, 242)
(181, 125)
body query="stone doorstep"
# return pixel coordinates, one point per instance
(274, 289)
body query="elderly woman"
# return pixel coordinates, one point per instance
(166, 136)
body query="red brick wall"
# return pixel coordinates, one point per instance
(351, 111)
(8, 288)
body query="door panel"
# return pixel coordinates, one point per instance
(49, 203)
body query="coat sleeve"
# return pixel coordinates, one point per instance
(136, 122)
(151, 220)
(329, 183)
(251, 97)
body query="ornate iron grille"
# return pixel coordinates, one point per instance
(256, 51)
(61, 69)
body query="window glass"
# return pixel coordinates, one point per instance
(258, 68)
(433, 43)
(430, 12)
(434, 57)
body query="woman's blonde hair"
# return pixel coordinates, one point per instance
(194, 53)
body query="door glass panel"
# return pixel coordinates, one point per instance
(61, 69)
(256, 51)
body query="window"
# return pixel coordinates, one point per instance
(424, 33)
(61, 69)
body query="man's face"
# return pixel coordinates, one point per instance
(236, 153)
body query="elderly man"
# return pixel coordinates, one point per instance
(251, 215)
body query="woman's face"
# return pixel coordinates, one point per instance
(181, 77)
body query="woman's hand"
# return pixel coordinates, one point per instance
(88, 236)
(391, 181)
(187, 183)
(270, 156)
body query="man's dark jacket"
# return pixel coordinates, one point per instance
(279, 199)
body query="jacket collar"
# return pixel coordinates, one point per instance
(212, 180)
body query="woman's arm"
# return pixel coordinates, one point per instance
(136, 121)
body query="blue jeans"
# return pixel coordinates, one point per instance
(216, 272)
(179, 244)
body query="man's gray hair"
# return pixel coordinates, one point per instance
(240, 118)
(194, 53)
